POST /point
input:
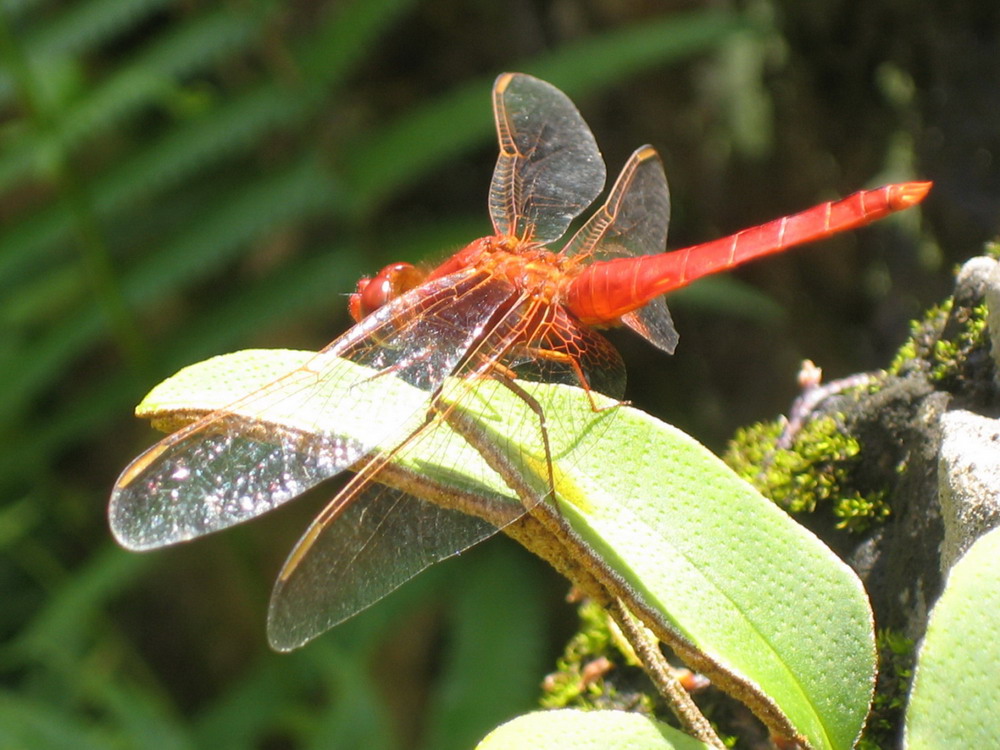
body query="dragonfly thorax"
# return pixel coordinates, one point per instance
(528, 265)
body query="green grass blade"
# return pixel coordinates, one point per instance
(148, 79)
(59, 632)
(347, 36)
(81, 27)
(27, 723)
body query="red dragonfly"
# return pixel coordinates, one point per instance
(504, 306)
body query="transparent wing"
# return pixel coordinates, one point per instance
(634, 221)
(549, 169)
(635, 217)
(564, 351)
(370, 539)
(242, 461)
(381, 539)
(654, 323)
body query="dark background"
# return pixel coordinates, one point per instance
(181, 178)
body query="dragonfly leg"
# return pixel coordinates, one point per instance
(504, 375)
(564, 358)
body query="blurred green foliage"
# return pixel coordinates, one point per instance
(184, 178)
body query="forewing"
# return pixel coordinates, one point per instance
(634, 221)
(246, 459)
(549, 168)
(370, 539)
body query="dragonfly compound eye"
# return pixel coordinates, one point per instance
(391, 282)
(354, 302)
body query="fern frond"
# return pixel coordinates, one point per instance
(77, 30)
(145, 82)
(201, 248)
(346, 36)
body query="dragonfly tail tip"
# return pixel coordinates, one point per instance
(909, 194)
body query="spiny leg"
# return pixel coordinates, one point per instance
(564, 358)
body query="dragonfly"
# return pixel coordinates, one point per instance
(506, 306)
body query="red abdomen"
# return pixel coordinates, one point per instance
(606, 290)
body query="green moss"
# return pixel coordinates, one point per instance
(857, 512)
(950, 355)
(896, 657)
(920, 345)
(814, 472)
(752, 447)
(582, 676)
(943, 353)
(817, 469)
(906, 353)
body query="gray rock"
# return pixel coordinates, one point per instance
(969, 481)
(976, 276)
(992, 294)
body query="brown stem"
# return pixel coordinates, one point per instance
(664, 676)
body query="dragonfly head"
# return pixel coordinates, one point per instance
(392, 281)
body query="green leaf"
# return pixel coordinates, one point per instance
(722, 565)
(587, 730)
(955, 698)
(718, 563)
